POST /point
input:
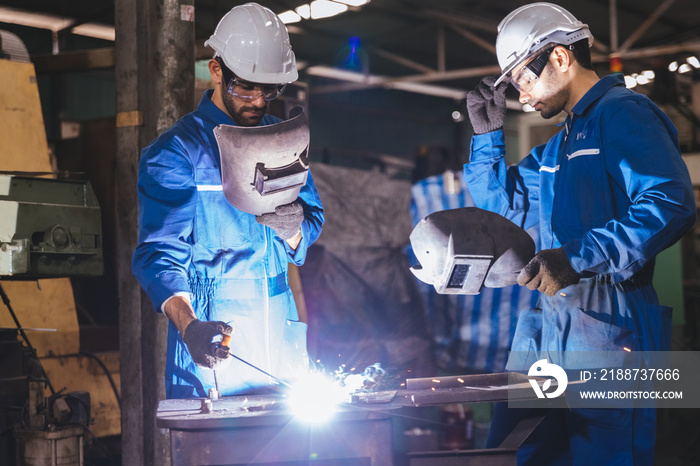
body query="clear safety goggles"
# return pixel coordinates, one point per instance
(526, 79)
(245, 90)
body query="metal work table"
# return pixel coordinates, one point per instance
(259, 429)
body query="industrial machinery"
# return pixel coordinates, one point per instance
(50, 230)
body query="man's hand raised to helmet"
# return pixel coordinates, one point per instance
(486, 105)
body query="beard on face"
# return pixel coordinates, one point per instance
(553, 101)
(237, 108)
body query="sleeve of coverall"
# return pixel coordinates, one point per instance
(643, 159)
(167, 194)
(312, 223)
(511, 191)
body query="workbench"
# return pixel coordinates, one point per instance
(259, 429)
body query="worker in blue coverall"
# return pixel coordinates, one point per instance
(608, 193)
(213, 269)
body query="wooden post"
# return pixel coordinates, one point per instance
(154, 63)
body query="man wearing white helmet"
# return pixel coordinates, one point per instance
(214, 269)
(608, 193)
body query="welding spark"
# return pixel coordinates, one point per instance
(317, 396)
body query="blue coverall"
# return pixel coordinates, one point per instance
(192, 240)
(612, 189)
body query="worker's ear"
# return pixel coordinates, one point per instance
(215, 71)
(561, 58)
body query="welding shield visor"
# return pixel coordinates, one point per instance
(462, 250)
(263, 167)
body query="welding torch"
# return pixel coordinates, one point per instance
(225, 340)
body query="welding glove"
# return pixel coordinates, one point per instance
(198, 337)
(285, 220)
(549, 271)
(487, 105)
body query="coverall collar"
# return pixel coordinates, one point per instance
(597, 91)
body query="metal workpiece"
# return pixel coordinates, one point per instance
(251, 410)
(263, 167)
(462, 250)
(259, 429)
(475, 388)
(50, 228)
(246, 411)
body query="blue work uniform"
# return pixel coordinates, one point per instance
(192, 240)
(612, 189)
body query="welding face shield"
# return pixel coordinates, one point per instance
(263, 167)
(462, 250)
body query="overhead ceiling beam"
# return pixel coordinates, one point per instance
(662, 50)
(357, 81)
(401, 60)
(94, 59)
(613, 25)
(646, 25)
(472, 22)
(484, 44)
(362, 82)
(441, 48)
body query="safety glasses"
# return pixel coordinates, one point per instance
(245, 90)
(527, 77)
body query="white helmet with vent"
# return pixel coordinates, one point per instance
(532, 27)
(253, 42)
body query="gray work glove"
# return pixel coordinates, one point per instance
(198, 337)
(285, 220)
(549, 271)
(487, 105)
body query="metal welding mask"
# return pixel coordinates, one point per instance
(263, 167)
(462, 250)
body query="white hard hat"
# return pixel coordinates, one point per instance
(530, 28)
(253, 43)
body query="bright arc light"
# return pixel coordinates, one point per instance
(642, 80)
(673, 66)
(649, 74)
(315, 398)
(289, 16)
(304, 11)
(630, 82)
(353, 2)
(684, 68)
(693, 61)
(325, 9)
